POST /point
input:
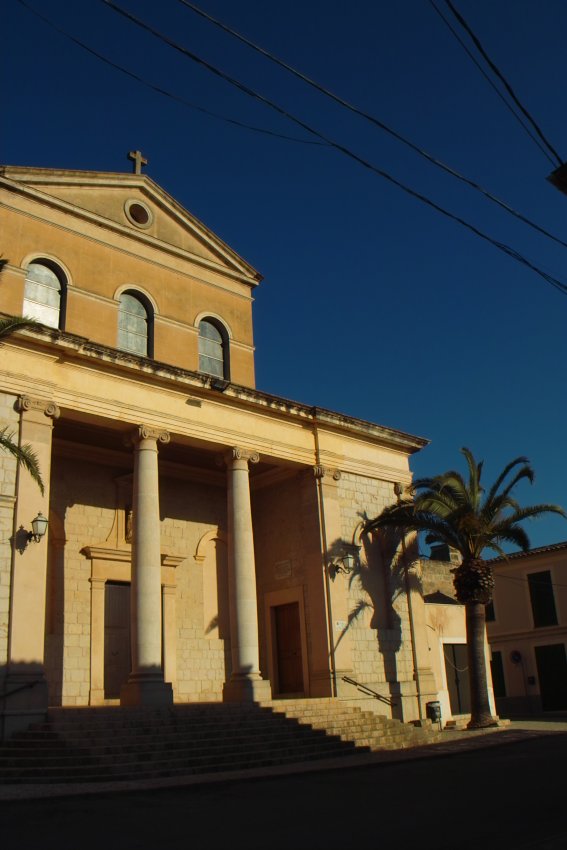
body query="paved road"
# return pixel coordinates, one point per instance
(508, 796)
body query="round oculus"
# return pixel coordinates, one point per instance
(138, 213)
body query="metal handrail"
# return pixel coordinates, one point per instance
(19, 688)
(368, 691)
(4, 696)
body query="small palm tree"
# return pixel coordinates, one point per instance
(24, 454)
(461, 514)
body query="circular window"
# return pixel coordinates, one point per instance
(138, 213)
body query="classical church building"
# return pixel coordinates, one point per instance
(203, 539)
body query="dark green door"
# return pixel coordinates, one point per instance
(117, 663)
(457, 671)
(552, 673)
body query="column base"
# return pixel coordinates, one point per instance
(247, 690)
(146, 692)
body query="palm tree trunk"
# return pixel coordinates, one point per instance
(480, 707)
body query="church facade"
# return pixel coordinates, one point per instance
(203, 538)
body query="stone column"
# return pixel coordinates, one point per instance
(96, 692)
(25, 674)
(146, 685)
(246, 683)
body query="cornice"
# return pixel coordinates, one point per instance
(78, 350)
(237, 268)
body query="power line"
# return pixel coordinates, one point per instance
(162, 91)
(491, 83)
(521, 578)
(378, 123)
(511, 252)
(502, 78)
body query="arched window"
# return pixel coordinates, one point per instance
(44, 294)
(135, 325)
(213, 349)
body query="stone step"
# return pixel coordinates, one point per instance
(167, 769)
(86, 744)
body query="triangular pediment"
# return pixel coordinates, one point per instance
(135, 204)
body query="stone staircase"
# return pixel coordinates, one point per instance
(116, 744)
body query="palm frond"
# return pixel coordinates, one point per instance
(535, 511)
(514, 534)
(23, 454)
(504, 474)
(10, 324)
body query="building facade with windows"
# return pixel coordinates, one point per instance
(527, 630)
(199, 529)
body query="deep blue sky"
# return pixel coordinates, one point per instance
(372, 303)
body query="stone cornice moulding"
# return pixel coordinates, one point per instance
(254, 400)
(236, 267)
(192, 429)
(106, 553)
(152, 261)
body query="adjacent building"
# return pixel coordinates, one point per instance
(527, 630)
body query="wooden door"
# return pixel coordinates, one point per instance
(289, 660)
(457, 671)
(552, 673)
(117, 653)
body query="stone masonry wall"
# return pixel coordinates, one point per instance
(8, 419)
(85, 506)
(437, 577)
(380, 632)
(189, 510)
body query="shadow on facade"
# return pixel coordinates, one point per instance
(378, 586)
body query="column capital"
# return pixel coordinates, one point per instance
(145, 432)
(236, 454)
(325, 472)
(26, 403)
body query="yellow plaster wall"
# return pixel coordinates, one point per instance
(100, 263)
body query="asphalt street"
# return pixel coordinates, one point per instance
(502, 796)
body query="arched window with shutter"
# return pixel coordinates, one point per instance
(135, 324)
(213, 349)
(44, 293)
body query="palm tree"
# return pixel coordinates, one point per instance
(24, 454)
(463, 515)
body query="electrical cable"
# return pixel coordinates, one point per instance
(501, 77)
(376, 121)
(162, 91)
(491, 83)
(561, 287)
(520, 578)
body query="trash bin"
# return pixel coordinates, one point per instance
(433, 711)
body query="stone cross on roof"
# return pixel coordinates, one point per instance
(138, 160)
